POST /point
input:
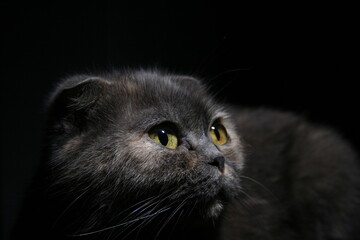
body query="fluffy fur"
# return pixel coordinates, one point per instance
(104, 178)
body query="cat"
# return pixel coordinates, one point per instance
(147, 154)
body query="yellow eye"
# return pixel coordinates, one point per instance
(165, 137)
(218, 134)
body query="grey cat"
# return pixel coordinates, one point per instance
(151, 155)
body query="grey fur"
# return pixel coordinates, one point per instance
(104, 178)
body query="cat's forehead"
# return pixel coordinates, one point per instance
(157, 98)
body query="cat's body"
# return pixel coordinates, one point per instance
(149, 155)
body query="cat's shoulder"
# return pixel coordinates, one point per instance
(311, 168)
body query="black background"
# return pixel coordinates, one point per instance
(298, 57)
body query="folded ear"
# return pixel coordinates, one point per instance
(190, 83)
(72, 101)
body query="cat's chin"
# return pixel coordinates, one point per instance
(214, 209)
(216, 200)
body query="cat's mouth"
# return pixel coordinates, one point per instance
(210, 199)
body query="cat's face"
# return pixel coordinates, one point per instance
(145, 136)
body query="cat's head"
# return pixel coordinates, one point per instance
(143, 139)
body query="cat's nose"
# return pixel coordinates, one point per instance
(218, 162)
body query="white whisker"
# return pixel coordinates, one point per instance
(121, 224)
(261, 185)
(171, 216)
(67, 208)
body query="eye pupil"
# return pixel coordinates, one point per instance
(217, 134)
(163, 137)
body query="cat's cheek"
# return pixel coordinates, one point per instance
(72, 145)
(145, 154)
(234, 155)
